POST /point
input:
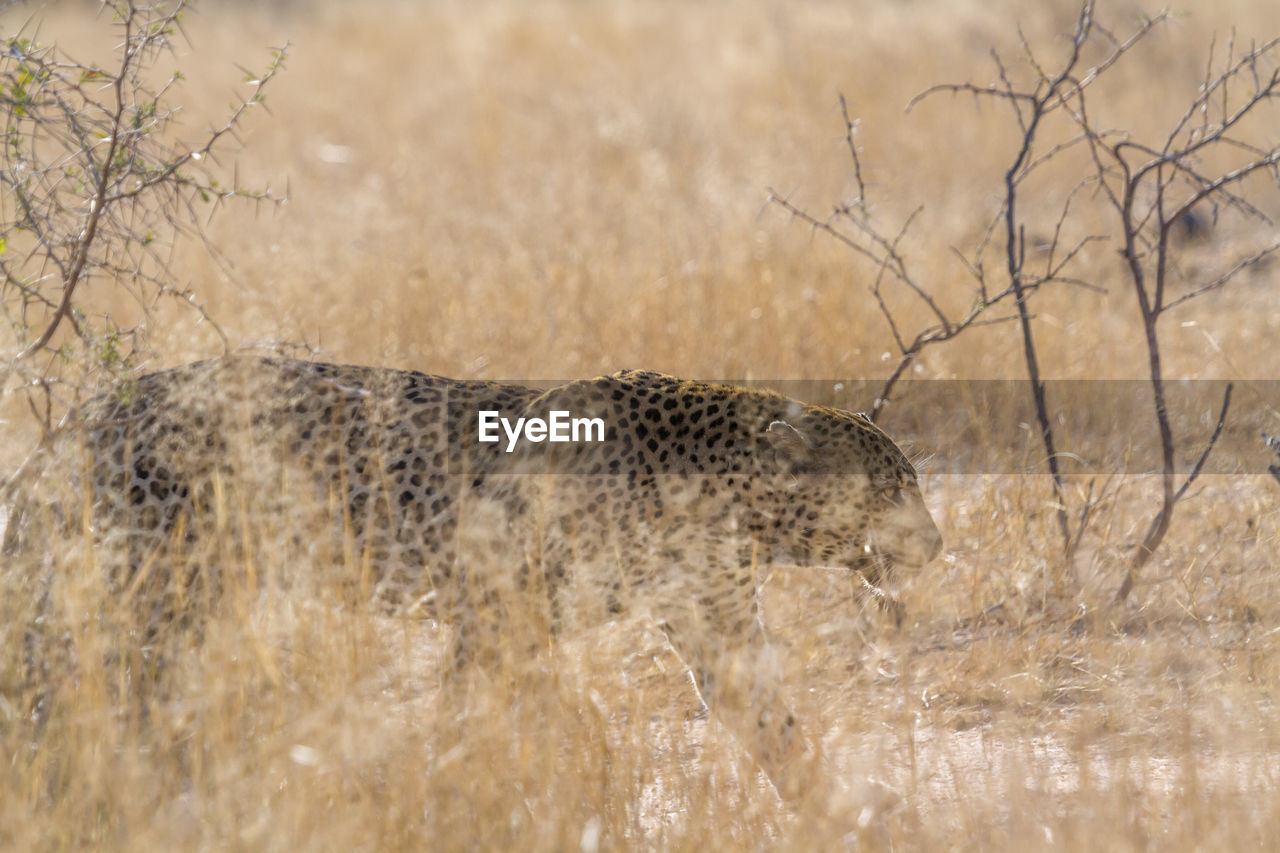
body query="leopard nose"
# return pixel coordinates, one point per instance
(924, 546)
(933, 544)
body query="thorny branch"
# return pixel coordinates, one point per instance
(1150, 189)
(1160, 524)
(883, 253)
(96, 188)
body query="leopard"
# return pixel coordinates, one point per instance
(189, 448)
(695, 491)
(673, 512)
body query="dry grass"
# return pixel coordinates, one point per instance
(554, 190)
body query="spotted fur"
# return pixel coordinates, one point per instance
(695, 488)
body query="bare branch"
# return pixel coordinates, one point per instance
(824, 226)
(1145, 190)
(1208, 448)
(850, 128)
(1160, 524)
(1224, 279)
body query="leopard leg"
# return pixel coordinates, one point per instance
(738, 674)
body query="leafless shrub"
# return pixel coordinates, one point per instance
(1140, 196)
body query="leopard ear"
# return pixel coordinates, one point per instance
(789, 443)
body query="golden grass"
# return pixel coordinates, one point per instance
(554, 190)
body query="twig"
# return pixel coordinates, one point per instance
(1160, 524)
